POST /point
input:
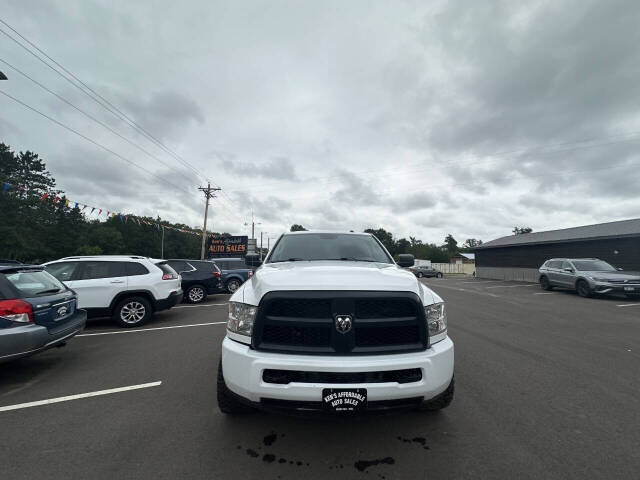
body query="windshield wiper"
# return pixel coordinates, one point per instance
(288, 260)
(51, 290)
(352, 259)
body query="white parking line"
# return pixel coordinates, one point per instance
(196, 306)
(629, 305)
(117, 332)
(75, 397)
(484, 281)
(512, 286)
(544, 293)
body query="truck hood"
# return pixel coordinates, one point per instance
(331, 275)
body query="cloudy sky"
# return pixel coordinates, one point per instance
(424, 118)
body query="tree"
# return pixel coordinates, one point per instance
(521, 230)
(297, 228)
(402, 245)
(450, 245)
(471, 243)
(36, 225)
(386, 238)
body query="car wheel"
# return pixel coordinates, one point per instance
(233, 285)
(132, 312)
(227, 403)
(583, 289)
(439, 275)
(441, 401)
(419, 275)
(544, 283)
(196, 294)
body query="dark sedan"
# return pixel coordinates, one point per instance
(426, 271)
(37, 311)
(199, 278)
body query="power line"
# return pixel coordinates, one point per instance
(66, 127)
(84, 88)
(103, 102)
(91, 117)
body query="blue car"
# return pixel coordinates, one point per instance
(234, 272)
(37, 311)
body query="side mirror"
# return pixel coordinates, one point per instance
(405, 260)
(252, 259)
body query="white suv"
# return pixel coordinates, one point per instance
(127, 288)
(330, 322)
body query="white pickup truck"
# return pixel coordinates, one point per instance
(331, 323)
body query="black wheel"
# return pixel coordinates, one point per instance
(196, 294)
(441, 401)
(544, 283)
(227, 403)
(419, 275)
(132, 312)
(233, 285)
(439, 275)
(583, 289)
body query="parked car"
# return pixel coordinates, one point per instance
(234, 272)
(588, 276)
(129, 289)
(37, 311)
(426, 271)
(199, 278)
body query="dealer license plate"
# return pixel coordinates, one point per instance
(629, 289)
(344, 400)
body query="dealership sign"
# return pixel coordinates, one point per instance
(222, 246)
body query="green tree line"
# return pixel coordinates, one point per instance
(36, 231)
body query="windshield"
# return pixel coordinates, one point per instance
(592, 266)
(329, 246)
(35, 282)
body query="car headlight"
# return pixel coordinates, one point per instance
(436, 321)
(241, 317)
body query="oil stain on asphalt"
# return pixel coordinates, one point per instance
(360, 465)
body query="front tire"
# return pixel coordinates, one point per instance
(439, 275)
(441, 401)
(227, 403)
(132, 312)
(583, 289)
(233, 285)
(545, 284)
(419, 275)
(196, 294)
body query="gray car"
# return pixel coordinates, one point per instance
(588, 276)
(37, 311)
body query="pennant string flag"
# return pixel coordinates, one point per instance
(11, 187)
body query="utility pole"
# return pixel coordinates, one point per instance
(162, 245)
(253, 226)
(261, 245)
(209, 193)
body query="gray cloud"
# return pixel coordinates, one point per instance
(459, 117)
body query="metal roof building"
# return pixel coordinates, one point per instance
(518, 257)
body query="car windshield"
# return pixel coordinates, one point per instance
(35, 282)
(592, 266)
(329, 246)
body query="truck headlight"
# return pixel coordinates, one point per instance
(436, 321)
(241, 317)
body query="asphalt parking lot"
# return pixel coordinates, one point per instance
(547, 386)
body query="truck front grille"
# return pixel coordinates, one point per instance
(305, 322)
(284, 377)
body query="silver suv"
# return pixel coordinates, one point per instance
(588, 276)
